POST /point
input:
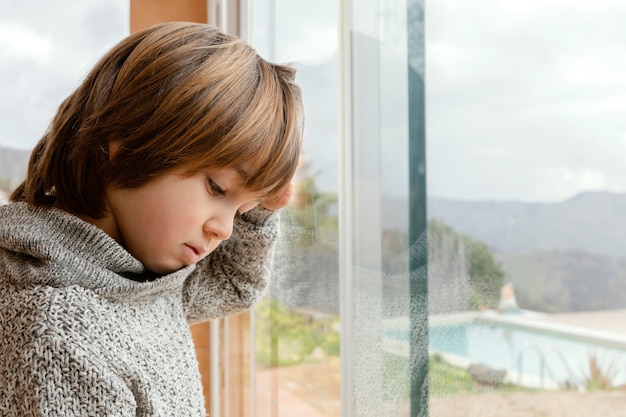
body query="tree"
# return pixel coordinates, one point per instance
(462, 260)
(312, 211)
(486, 275)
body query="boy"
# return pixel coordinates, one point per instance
(120, 236)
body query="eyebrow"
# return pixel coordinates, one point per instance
(244, 174)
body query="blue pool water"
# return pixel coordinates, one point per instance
(516, 349)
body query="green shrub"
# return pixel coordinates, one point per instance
(288, 337)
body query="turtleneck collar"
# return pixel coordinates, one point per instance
(48, 246)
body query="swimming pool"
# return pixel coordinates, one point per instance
(533, 354)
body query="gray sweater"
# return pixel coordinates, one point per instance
(82, 335)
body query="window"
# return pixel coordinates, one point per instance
(525, 144)
(341, 289)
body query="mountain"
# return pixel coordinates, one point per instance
(560, 257)
(13, 163)
(591, 222)
(556, 281)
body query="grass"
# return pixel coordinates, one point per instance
(446, 379)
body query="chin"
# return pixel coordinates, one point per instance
(162, 269)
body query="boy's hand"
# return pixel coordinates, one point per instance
(280, 200)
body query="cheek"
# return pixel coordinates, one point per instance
(149, 226)
(178, 222)
(166, 225)
(162, 214)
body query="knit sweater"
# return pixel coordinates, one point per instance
(82, 333)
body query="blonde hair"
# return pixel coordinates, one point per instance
(174, 95)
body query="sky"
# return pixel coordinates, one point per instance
(46, 47)
(524, 100)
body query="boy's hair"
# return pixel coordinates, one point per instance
(174, 95)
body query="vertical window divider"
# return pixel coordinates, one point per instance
(215, 367)
(246, 24)
(253, 384)
(345, 205)
(418, 222)
(216, 364)
(224, 12)
(226, 364)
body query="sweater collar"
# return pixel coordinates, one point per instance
(48, 246)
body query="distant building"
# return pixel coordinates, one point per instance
(508, 302)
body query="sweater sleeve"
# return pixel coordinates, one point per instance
(235, 275)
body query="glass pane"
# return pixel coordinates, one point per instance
(418, 236)
(380, 350)
(526, 144)
(297, 325)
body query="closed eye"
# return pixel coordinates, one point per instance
(215, 189)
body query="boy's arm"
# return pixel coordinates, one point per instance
(235, 275)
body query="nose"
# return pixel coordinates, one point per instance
(219, 227)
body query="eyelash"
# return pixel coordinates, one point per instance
(215, 189)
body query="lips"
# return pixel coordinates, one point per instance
(194, 255)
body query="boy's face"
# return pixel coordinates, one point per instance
(175, 220)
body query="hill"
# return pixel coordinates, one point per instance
(555, 281)
(13, 163)
(560, 257)
(591, 222)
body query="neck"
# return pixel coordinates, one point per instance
(106, 223)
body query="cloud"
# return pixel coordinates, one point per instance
(517, 91)
(17, 41)
(563, 179)
(45, 50)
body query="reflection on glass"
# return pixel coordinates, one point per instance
(381, 366)
(298, 348)
(297, 324)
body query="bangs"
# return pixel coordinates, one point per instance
(263, 133)
(175, 95)
(212, 106)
